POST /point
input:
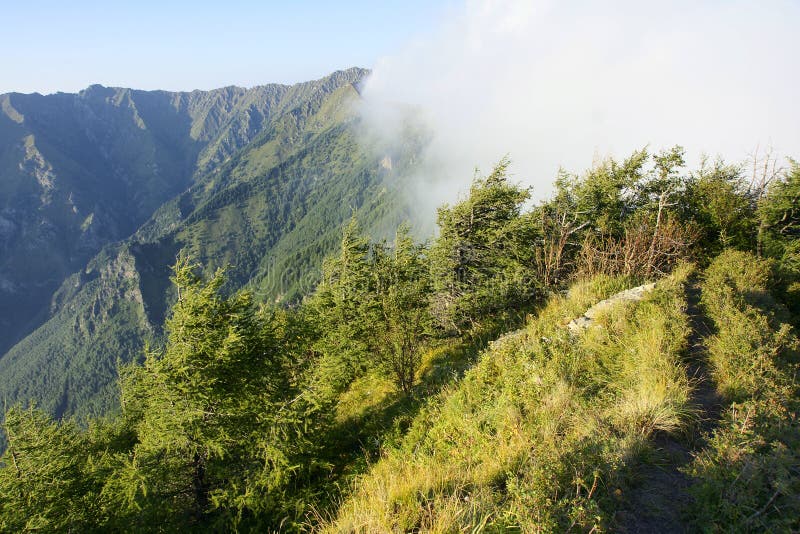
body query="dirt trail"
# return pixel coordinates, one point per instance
(660, 492)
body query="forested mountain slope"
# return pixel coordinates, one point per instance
(271, 174)
(431, 386)
(79, 171)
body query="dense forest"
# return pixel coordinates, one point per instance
(434, 386)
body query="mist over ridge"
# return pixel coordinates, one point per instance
(559, 85)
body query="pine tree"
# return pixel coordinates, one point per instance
(215, 432)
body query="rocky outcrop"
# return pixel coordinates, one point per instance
(583, 322)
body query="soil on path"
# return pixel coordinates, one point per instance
(660, 493)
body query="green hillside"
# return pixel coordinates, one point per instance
(611, 429)
(620, 357)
(270, 211)
(80, 171)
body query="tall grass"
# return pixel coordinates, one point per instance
(748, 476)
(535, 435)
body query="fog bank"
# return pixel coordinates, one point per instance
(558, 84)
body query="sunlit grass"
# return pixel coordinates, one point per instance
(534, 437)
(747, 478)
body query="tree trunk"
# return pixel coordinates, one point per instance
(199, 486)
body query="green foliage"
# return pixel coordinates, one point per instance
(44, 483)
(779, 212)
(215, 429)
(403, 318)
(243, 417)
(343, 302)
(747, 477)
(537, 433)
(618, 218)
(372, 306)
(481, 259)
(719, 205)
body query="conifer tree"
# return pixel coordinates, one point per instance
(44, 483)
(346, 310)
(480, 261)
(215, 433)
(404, 318)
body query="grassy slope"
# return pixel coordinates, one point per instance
(747, 478)
(550, 433)
(539, 434)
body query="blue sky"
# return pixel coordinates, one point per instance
(50, 46)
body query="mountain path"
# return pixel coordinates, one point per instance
(660, 494)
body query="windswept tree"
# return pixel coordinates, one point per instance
(594, 206)
(621, 217)
(482, 259)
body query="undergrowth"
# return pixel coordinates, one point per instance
(748, 476)
(537, 435)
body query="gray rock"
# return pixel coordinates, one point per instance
(583, 322)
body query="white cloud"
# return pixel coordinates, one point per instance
(556, 83)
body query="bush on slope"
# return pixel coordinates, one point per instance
(747, 478)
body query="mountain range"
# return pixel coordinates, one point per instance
(101, 190)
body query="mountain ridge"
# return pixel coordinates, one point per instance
(269, 211)
(252, 190)
(81, 170)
